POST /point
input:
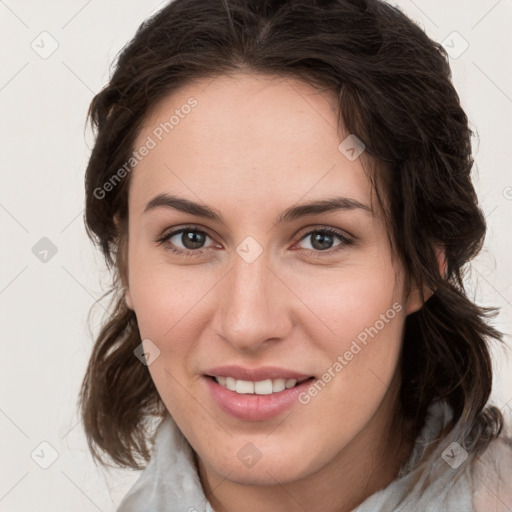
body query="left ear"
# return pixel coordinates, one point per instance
(414, 300)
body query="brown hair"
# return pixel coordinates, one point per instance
(395, 93)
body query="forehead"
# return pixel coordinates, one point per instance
(246, 139)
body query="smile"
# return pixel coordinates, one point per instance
(262, 387)
(255, 400)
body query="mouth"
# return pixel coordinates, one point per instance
(261, 387)
(255, 401)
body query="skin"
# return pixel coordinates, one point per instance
(254, 146)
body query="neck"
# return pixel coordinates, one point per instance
(369, 463)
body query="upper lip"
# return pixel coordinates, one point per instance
(255, 374)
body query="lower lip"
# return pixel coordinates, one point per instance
(252, 407)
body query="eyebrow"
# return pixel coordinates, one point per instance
(290, 214)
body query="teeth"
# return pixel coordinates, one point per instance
(230, 383)
(278, 385)
(290, 383)
(244, 387)
(262, 387)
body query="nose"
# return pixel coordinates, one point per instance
(254, 306)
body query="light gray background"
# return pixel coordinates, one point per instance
(45, 146)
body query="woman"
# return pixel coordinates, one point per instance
(282, 189)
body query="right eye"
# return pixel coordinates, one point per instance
(190, 237)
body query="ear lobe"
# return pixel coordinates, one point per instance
(441, 260)
(414, 300)
(128, 299)
(117, 222)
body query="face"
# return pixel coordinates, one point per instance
(273, 297)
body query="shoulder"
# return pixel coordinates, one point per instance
(492, 477)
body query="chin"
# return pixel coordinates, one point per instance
(265, 475)
(280, 467)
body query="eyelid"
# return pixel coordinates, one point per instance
(324, 227)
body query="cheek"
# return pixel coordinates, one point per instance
(168, 310)
(336, 306)
(344, 304)
(164, 297)
(357, 325)
(172, 309)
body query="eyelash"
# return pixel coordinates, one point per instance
(189, 253)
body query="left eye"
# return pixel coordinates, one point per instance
(322, 239)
